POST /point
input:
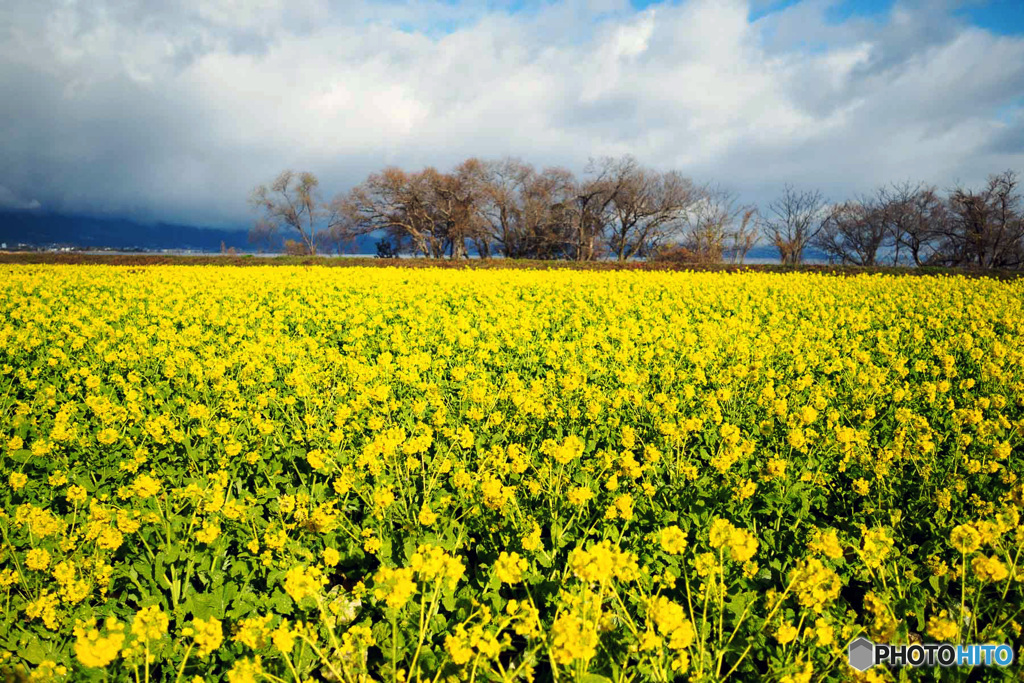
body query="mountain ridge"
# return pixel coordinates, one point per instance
(45, 229)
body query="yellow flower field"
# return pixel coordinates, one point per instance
(278, 474)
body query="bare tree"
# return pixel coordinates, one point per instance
(746, 234)
(341, 231)
(335, 238)
(793, 220)
(914, 216)
(639, 207)
(508, 204)
(544, 223)
(296, 248)
(502, 204)
(1006, 235)
(586, 217)
(716, 224)
(853, 232)
(263, 235)
(291, 202)
(647, 208)
(707, 223)
(437, 214)
(396, 203)
(455, 200)
(523, 211)
(985, 227)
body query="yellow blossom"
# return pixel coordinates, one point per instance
(509, 568)
(207, 633)
(94, 649)
(673, 540)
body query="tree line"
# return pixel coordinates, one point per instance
(623, 210)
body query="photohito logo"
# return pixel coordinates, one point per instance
(862, 654)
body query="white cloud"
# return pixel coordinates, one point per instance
(175, 110)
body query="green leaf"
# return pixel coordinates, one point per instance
(281, 602)
(34, 652)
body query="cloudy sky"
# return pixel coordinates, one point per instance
(174, 109)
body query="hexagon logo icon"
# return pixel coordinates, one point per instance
(861, 654)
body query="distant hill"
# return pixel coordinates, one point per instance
(41, 229)
(45, 229)
(766, 253)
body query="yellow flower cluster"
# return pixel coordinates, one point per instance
(965, 539)
(394, 586)
(741, 543)
(464, 645)
(671, 622)
(431, 563)
(302, 581)
(603, 562)
(208, 635)
(814, 584)
(673, 540)
(296, 473)
(573, 638)
(98, 650)
(989, 568)
(150, 624)
(509, 567)
(876, 546)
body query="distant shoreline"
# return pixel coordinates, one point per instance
(353, 260)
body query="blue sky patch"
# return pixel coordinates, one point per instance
(1005, 17)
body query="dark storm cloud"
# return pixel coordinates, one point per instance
(175, 110)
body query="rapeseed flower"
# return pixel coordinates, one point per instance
(509, 568)
(150, 623)
(208, 635)
(96, 649)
